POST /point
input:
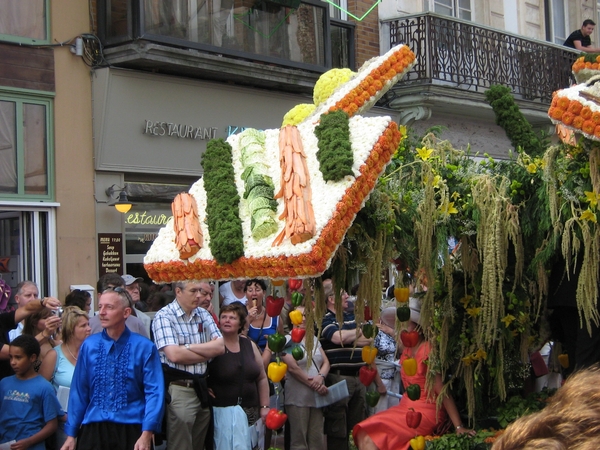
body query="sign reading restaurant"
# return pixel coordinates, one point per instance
(179, 130)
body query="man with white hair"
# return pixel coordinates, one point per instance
(26, 291)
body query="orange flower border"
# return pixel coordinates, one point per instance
(398, 63)
(310, 264)
(575, 116)
(581, 64)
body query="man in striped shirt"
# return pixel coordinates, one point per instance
(187, 338)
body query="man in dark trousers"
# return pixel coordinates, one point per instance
(580, 39)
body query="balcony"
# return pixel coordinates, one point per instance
(457, 61)
(276, 44)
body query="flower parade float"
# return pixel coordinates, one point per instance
(277, 203)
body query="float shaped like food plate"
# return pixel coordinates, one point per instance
(373, 141)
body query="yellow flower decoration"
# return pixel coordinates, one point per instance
(466, 300)
(481, 354)
(467, 360)
(436, 180)
(592, 198)
(297, 114)
(455, 196)
(448, 208)
(424, 153)
(531, 168)
(403, 132)
(508, 320)
(329, 82)
(588, 215)
(473, 312)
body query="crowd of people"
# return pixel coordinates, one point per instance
(125, 378)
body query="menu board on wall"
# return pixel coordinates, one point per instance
(110, 253)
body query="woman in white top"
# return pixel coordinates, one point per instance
(59, 364)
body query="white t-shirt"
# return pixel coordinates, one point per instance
(228, 295)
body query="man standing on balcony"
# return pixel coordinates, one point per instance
(580, 39)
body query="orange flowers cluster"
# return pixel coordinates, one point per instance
(575, 115)
(373, 83)
(581, 64)
(308, 264)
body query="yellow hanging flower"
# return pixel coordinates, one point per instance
(424, 153)
(436, 181)
(448, 208)
(403, 132)
(531, 168)
(473, 312)
(592, 198)
(588, 215)
(508, 320)
(481, 354)
(466, 300)
(467, 360)
(455, 196)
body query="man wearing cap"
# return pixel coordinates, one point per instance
(187, 338)
(338, 343)
(133, 287)
(112, 281)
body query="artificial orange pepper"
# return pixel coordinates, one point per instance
(563, 359)
(409, 365)
(418, 443)
(276, 371)
(368, 354)
(401, 294)
(296, 317)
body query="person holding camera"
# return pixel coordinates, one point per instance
(46, 321)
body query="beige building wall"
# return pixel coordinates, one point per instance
(73, 151)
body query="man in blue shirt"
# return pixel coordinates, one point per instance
(117, 393)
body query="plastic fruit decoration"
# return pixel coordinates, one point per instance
(297, 353)
(275, 419)
(276, 342)
(276, 371)
(369, 354)
(401, 294)
(409, 338)
(366, 375)
(297, 299)
(563, 359)
(369, 330)
(409, 365)
(296, 317)
(274, 306)
(372, 398)
(277, 282)
(403, 313)
(418, 443)
(294, 284)
(413, 391)
(298, 334)
(413, 418)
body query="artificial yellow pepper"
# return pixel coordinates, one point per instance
(418, 443)
(563, 359)
(409, 365)
(401, 294)
(296, 317)
(368, 354)
(276, 371)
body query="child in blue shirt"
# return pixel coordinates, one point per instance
(28, 405)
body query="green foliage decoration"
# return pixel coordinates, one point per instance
(335, 151)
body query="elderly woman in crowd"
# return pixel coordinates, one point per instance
(59, 364)
(261, 325)
(306, 420)
(238, 385)
(46, 323)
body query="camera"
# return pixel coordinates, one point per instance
(57, 312)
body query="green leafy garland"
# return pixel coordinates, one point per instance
(222, 203)
(335, 151)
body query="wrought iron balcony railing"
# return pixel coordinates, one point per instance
(471, 57)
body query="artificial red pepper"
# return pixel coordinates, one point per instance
(276, 342)
(275, 419)
(368, 315)
(413, 418)
(403, 313)
(372, 398)
(417, 443)
(294, 284)
(409, 338)
(276, 371)
(296, 317)
(298, 334)
(369, 354)
(274, 306)
(366, 375)
(297, 299)
(409, 365)
(413, 391)
(369, 330)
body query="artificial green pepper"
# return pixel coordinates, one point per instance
(403, 313)
(369, 330)
(297, 353)
(276, 342)
(372, 398)
(297, 299)
(414, 392)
